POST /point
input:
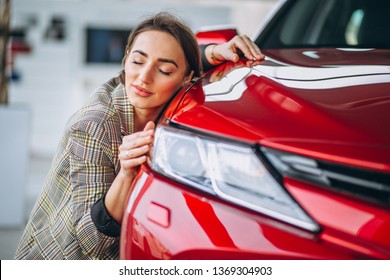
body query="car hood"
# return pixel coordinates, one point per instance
(311, 102)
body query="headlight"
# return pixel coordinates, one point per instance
(233, 172)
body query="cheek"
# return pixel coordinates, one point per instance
(130, 76)
(168, 88)
(173, 83)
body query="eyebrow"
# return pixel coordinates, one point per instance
(167, 60)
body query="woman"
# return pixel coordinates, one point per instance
(79, 211)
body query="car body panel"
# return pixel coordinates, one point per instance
(345, 218)
(201, 227)
(289, 110)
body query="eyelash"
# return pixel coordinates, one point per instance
(136, 62)
(162, 72)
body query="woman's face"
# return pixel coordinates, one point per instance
(154, 70)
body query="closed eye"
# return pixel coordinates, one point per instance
(165, 72)
(136, 62)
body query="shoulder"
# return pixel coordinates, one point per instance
(99, 109)
(99, 106)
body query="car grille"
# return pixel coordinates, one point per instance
(358, 182)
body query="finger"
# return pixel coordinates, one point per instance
(148, 130)
(137, 135)
(246, 47)
(232, 49)
(240, 44)
(151, 153)
(134, 153)
(227, 51)
(134, 162)
(134, 148)
(250, 50)
(149, 161)
(253, 48)
(149, 126)
(235, 57)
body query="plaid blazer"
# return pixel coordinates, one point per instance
(84, 167)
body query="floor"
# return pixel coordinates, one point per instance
(9, 237)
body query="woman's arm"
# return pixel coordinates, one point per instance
(133, 152)
(91, 172)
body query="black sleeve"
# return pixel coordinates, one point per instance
(205, 64)
(103, 221)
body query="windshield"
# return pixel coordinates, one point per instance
(329, 23)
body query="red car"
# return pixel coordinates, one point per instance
(287, 159)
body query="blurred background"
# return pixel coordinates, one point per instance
(57, 53)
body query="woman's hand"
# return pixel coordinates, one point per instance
(135, 149)
(133, 152)
(232, 50)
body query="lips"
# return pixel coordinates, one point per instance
(140, 91)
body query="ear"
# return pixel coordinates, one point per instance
(189, 77)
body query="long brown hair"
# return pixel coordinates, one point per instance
(166, 22)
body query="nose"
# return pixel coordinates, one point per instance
(146, 74)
